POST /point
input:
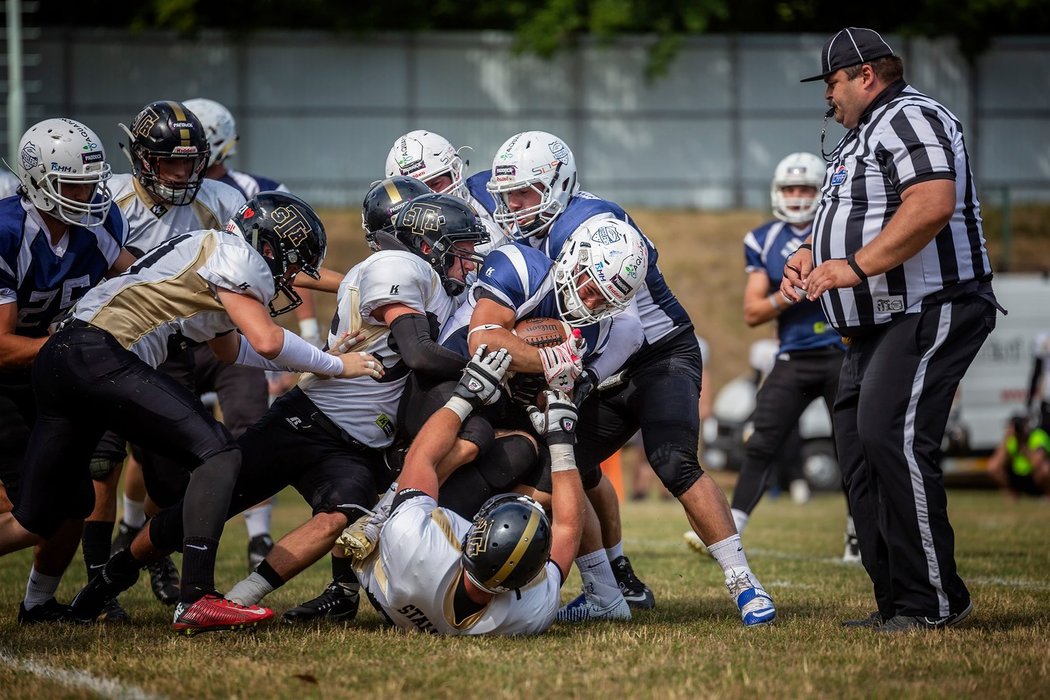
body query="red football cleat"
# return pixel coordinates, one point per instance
(213, 612)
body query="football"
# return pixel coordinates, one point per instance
(542, 332)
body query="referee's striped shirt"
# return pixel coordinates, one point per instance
(903, 138)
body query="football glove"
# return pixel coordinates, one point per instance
(556, 421)
(479, 385)
(563, 363)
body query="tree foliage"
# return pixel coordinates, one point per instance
(544, 27)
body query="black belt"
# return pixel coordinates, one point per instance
(309, 410)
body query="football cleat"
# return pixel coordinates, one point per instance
(125, 535)
(361, 537)
(102, 588)
(48, 611)
(335, 604)
(756, 607)
(635, 592)
(258, 547)
(212, 613)
(584, 608)
(113, 613)
(875, 619)
(164, 580)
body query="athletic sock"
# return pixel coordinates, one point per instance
(258, 519)
(259, 584)
(598, 578)
(343, 574)
(134, 513)
(96, 545)
(615, 552)
(198, 567)
(729, 553)
(40, 588)
(740, 519)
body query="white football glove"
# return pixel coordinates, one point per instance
(479, 385)
(563, 363)
(556, 421)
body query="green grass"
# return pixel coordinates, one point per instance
(691, 646)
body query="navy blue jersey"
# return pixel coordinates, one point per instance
(250, 185)
(46, 280)
(801, 326)
(522, 279)
(658, 308)
(476, 186)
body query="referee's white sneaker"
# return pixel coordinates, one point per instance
(756, 606)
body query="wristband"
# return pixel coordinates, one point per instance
(804, 246)
(852, 262)
(460, 406)
(563, 458)
(308, 328)
(773, 300)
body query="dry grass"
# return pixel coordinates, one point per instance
(691, 646)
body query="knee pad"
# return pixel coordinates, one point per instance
(479, 431)
(590, 476)
(677, 468)
(512, 460)
(102, 467)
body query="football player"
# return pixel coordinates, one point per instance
(9, 184)
(539, 201)
(431, 570)
(99, 371)
(57, 240)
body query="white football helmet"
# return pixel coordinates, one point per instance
(59, 152)
(803, 169)
(609, 253)
(425, 155)
(540, 161)
(219, 126)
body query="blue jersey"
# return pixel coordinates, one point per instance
(522, 279)
(45, 280)
(658, 308)
(250, 185)
(801, 326)
(476, 185)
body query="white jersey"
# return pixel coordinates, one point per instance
(416, 567)
(364, 407)
(172, 290)
(152, 224)
(8, 184)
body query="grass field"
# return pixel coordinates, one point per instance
(691, 646)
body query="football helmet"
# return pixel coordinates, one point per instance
(605, 256)
(540, 161)
(383, 202)
(219, 127)
(803, 169)
(289, 236)
(425, 155)
(433, 226)
(57, 152)
(167, 130)
(508, 543)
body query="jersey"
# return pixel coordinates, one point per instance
(364, 407)
(46, 279)
(801, 326)
(172, 290)
(151, 223)
(416, 568)
(250, 185)
(8, 184)
(480, 198)
(658, 308)
(522, 279)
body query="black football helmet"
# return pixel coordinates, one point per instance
(430, 226)
(289, 236)
(166, 129)
(508, 544)
(383, 202)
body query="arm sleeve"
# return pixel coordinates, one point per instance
(421, 352)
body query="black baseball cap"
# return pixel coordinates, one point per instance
(850, 47)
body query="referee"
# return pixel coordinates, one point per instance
(898, 261)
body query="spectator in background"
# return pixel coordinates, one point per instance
(1020, 464)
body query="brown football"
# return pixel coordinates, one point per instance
(542, 332)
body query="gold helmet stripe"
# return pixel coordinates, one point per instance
(180, 115)
(519, 550)
(392, 192)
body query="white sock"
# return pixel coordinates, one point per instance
(40, 588)
(598, 579)
(729, 553)
(851, 529)
(257, 519)
(615, 552)
(134, 512)
(740, 519)
(250, 591)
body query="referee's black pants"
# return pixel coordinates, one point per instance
(895, 392)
